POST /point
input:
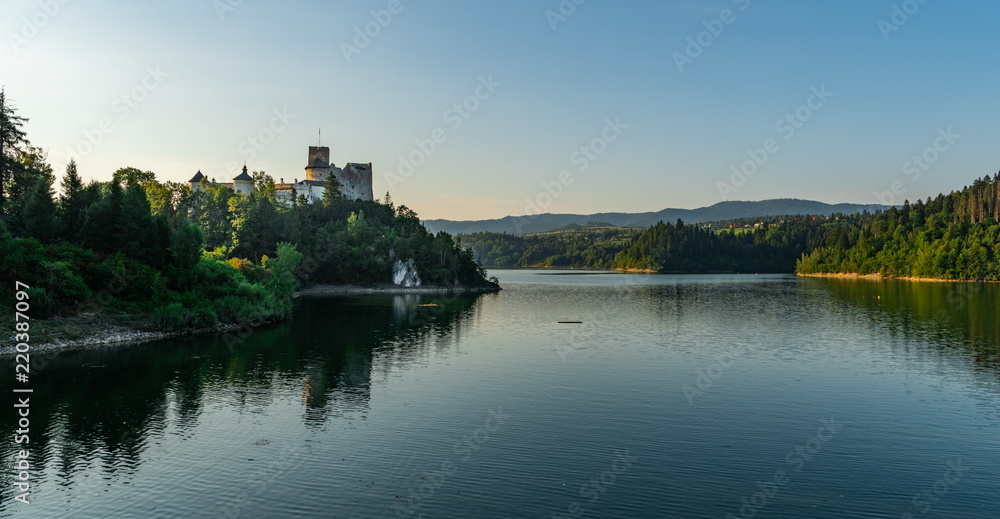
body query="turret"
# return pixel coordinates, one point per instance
(243, 184)
(196, 181)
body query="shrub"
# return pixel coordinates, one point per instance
(41, 303)
(175, 318)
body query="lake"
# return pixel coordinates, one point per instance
(712, 396)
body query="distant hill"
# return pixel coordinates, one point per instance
(720, 211)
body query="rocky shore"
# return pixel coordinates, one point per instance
(93, 330)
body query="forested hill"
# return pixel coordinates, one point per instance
(722, 211)
(761, 245)
(955, 236)
(159, 255)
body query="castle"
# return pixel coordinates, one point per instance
(355, 180)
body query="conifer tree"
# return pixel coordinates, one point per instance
(11, 137)
(71, 202)
(332, 192)
(40, 211)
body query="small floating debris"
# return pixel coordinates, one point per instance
(570, 322)
(429, 304)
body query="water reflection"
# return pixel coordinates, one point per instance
(100, 410)
(958, 319)
(347, 406)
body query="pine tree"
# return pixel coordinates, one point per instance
(11, 137)
(71, 202)
(332, 192)
(40, 211)
(99, 225)
(135, 230)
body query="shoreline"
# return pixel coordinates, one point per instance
(94, 330)
(880, 277)
(102, 331)
(332, 290)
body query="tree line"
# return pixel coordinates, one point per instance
(953, 236)
(165, 256)
(772, 246)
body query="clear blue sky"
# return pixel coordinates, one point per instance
(228, 69)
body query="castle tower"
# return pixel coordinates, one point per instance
(243, 184)
(318, 167)
(196, 182)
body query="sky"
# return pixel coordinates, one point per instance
(476, 110)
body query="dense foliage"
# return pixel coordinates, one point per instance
(758, 245)
(955, 236)
(589, 248)
(171, 258)
(343, 241)
(691, 248)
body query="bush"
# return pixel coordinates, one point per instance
(40, 302)
(66, 287)
(175, 318)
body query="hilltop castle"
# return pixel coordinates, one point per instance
(355, 180)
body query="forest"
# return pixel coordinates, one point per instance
(770, 244)
(953, 236)
(159, 255)
(587, 247)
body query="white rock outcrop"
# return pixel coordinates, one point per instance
(405, 274)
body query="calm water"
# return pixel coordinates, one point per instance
(677, 396)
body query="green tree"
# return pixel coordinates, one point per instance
(40, 211)
(254, 224)
(29, 165)
(136, 232)
(98, 230)
(263, 185)
(126, 177)
(170, 199)
(332, 192)
(12, 137)
(72, 203)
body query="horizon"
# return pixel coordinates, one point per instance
(562, 107)
(663, 209)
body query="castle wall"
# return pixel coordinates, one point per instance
(356, 181)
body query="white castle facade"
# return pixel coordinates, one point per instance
(355, 180)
